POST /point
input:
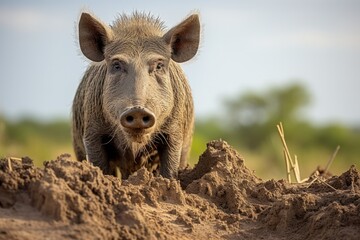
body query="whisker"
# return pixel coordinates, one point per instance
(164, 138)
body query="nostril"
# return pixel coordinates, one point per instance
(146, 119)
(129, 119)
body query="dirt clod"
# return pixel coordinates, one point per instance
(218, 199)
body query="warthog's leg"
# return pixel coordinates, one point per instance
(95, 153)
(170, 157)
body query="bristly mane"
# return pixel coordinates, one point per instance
(147, 23)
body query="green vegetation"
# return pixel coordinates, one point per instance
(38, 140)
(248, 123)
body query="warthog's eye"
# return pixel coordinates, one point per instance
(118, 66)
(159, 66)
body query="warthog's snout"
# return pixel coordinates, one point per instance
(137, 118)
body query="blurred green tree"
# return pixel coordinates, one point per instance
(249, 123)
(253, 116)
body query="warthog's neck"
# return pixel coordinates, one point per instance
(131, 158)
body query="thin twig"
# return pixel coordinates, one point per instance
(326, 184)
(304, 180)
(331, 159)
(117, 172)
(286, 150)
(288, 171)
(282, 136)
(9, 164)
(294, 165)
(312, 181)
(296, 169)
(315, 177)
(297, 172)
(9, 159)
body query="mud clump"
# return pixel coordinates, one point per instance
(218, 199)
(221, 177)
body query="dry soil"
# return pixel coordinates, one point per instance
(218, 199)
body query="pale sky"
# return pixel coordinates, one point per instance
(246, 45)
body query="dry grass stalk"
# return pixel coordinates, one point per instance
(293, 165)
(321, 180)
(297, 170)
(9, 164)
(331, 159)
(9, 159)
(288, 171)
(117, 172)
(290, 164)
(316, 177)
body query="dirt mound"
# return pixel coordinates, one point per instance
(219, 199)
(320, 211)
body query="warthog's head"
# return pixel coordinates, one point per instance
(138, 94)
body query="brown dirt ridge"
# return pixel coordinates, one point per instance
(218, 199)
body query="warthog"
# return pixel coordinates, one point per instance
(134, 106)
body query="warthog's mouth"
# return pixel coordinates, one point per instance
(138, 135)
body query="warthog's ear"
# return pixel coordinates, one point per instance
(184, 39)
(93, 37)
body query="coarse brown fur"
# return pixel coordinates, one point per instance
(135, 66)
